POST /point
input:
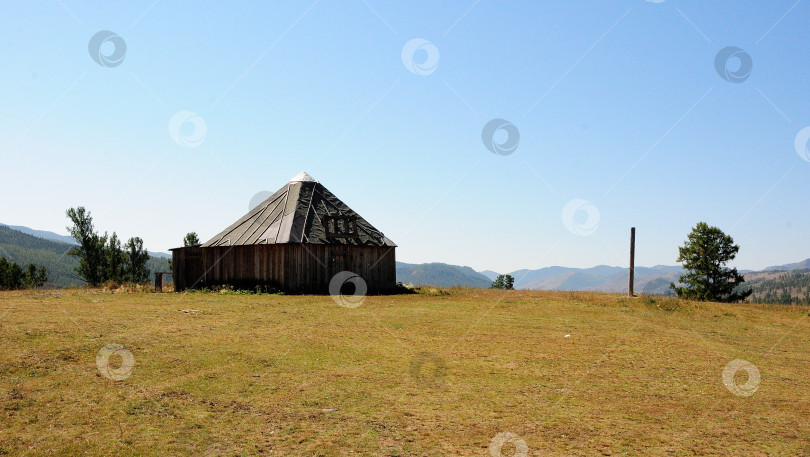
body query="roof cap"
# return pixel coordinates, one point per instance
(303, 177)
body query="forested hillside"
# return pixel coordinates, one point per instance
(440, 274)
(789, 287)
(22, 248)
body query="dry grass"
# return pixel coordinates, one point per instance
(428, 374)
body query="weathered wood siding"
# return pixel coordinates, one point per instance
(291, 267)
(187, 267)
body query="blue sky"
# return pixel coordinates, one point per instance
(623, 121)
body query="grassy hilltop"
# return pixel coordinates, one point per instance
(440, 373)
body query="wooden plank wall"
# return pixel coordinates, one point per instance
(290, 267)
(187, 267)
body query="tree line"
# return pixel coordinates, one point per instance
(13, 276)
(103, 258)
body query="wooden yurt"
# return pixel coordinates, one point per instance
(297, 241)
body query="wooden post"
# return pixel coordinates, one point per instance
(158, 282)
(632, 260)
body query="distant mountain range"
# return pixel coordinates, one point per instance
(490, 274)
(603, 278)
(42, 234)
(803, 265)
(648, 280)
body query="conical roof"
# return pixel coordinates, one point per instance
(303, 211)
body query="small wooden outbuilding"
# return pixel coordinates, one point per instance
(297, 240)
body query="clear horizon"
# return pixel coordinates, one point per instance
(501, 137)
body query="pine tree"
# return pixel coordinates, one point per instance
(704, 256)
(5, 282)
(90, 251)
(509, 282)
(191, 239)
(115, 260)
(137, 257)
(34, 277)
(503, 282)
